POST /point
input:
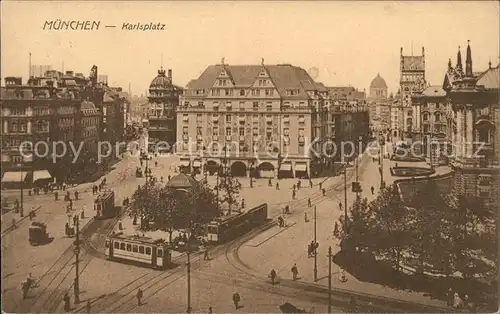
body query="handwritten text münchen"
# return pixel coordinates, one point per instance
(60, 25)
(143, 27)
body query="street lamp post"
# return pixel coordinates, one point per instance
(252, 162)
(329, 280)
(345, 198)
(381, 162)
(188, 268)
(315, 252)
(21, 206)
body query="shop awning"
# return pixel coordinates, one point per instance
(301, 167)
(196, 163)
(41, 175)
(14, 176)
(185, 163)
(286, 167)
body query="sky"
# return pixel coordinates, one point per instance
(340, 43)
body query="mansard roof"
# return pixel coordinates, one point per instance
(284, 77)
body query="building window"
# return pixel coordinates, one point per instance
(242, 92)
(199, 118)
(185, 130)
(425, 116)
(255, 105)
(215, 132)
(200, 104)
(269, 106)
(301, 148)
(269, 134)
(242, 131)
(228, 131)
(228, 92)
(255, 131)
(286, 131)
(228, 118)
(437, 117)
(301, 132)
(198, 130)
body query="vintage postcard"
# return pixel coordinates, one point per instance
(250, 156)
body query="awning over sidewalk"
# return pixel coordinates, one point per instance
(286, 167)
(300, 167)
(41, 175)
(185, 163)
(196, 163)
(14, 176)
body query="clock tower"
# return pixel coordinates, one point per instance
(412, 82)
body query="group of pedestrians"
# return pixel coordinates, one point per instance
(294, 270)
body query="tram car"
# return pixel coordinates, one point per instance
(104, 205)
(230, 227)
(139, 250)
(38, 233)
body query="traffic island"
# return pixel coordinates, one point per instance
(411, 171)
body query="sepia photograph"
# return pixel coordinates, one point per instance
(250, 156)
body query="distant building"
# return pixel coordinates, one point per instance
(163, 100)
(103, 79)
(38, 70)
(379, 109)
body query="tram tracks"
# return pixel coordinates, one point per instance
(50, 296)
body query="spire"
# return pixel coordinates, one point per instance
(262, 62)
(449, 64)
(489, 64)
(459, 59)
(468, 61)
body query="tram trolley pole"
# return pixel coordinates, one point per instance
(76, 285)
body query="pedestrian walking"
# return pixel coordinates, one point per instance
(242, 203)
(323, 191)
(161, 179)
(294, 187)
(449, 297)
(277, 185)
(342, 277)
(298, 184)
(66, 301)
(236, 300)
(56, 196)
(373, 190)
(270, 182)
(209, 310)
(156, 164)
(310, 183)
(88, 307)
(294, 271)
(139, 297)
(336, 230)
(272, 275)
(321, 185)
(293, 194)
(168, 178)
(309, 203)
(25, 287)
(205, 255)
(14, 225)
(120, 225)
(457, 301)
(340, 205)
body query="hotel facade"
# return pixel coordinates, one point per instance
(259, 119)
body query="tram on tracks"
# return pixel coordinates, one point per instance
(139, 250)
(104, 205)
(230, 227)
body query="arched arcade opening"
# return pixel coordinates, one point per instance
(238, 169)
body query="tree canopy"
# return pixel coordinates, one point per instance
(171, 209)
(431, 231)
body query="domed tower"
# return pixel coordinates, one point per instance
(163, 100)
(378, 88)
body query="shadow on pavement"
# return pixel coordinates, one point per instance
(367, 269)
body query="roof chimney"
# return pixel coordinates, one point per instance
(170, 74)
